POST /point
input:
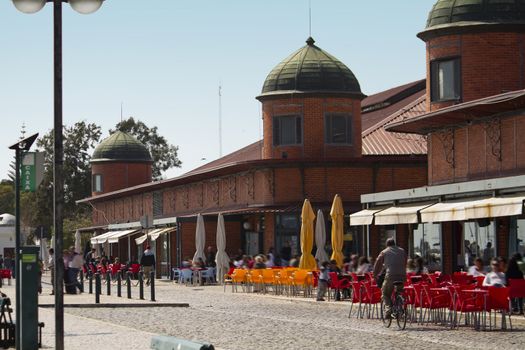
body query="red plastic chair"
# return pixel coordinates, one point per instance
(338, 284)
(517, 288)
(472, 305)
(499, 300)
(371, 297)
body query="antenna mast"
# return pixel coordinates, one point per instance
(220, 120)
(310, 18)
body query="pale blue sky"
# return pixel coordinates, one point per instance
(164, 60)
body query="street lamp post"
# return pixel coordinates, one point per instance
(84, 7)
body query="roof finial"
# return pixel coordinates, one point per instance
(310, 18)
(310, 41)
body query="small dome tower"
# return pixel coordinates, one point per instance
(118, 162)
(311, 107)
(475, 49)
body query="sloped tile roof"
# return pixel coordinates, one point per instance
(378, 141)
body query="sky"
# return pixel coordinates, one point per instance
(164, 60)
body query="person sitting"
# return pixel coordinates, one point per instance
(476, 269)
(259, 263)
(496, 277)
(364, 266)
(411, 266)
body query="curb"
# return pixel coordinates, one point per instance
(116, 305)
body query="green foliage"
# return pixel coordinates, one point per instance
(164, 155)
(7, 197)
(70, 226)
(79, 140)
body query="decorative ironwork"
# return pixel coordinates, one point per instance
(232, 188)
(249, 180)
(199, 192)
(493, 131)
(215, 191)
(270, 178)
(447, 139)
(186, 197)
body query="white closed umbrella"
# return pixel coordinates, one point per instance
(221, 259)
(78, 243)
(200, 240)
(320, 238)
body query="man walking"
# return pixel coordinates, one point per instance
(391, 261)
(148, 263)
(75, 264)
(51, 267)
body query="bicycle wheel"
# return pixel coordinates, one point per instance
(401, 312)
(386, 321)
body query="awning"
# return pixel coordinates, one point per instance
(494, 207)
(405, 214)
(364, 217)
(445, 211)
(141, 239)
(103, 237)
(156, 233)
(120, 234)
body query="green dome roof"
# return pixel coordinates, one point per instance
(448, 14)
(122, 147)
(311, 70)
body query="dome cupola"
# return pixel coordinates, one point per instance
(121, 147)
(452, 16)
(310, 70)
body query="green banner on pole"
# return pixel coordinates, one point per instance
(28, 178)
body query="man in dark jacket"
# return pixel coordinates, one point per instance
(147, 261)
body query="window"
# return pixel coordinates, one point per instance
(338, 128)
(98, 184)
(445, 77)
(287, 130)
(478, 242)
(426, 243)
(158, 206)
(287, 227)
(517, 236)
(386, 232)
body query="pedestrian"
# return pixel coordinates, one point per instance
(147, 261)
(1, 261)
(210, 257)
(324, 279)
(51, 267)
(74, 265)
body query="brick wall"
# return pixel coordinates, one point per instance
(312, 110)
(488, 149)
(491, 63)
(116, 176)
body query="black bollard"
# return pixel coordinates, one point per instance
(98, 287)
(128, 281)
(108, 283)
(152, 284)
(141, 285)
(90, 277)
(119, 284)
(81, 280)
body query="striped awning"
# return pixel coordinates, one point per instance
(120, 234)
(153, 235)
(365, 216)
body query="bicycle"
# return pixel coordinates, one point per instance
(399, 308)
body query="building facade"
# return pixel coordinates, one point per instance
(314, 146)
(473, 203)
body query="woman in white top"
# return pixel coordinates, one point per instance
(496, 277)
(476, 269)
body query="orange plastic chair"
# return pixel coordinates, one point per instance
(255, 278)
(300, 281)
(239, 277)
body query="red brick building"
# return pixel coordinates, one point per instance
(473, 204)
(321, 137)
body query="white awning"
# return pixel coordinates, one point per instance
(494, 207)
(364, 217)
(444, 211)
(404, 214)
(156, 233)
(103, 237)
(120, 234)
(141, 239)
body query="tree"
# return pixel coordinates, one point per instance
(164, 154)
(7, 197)
(79, 140)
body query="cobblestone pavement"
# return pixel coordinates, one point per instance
(240, 321)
